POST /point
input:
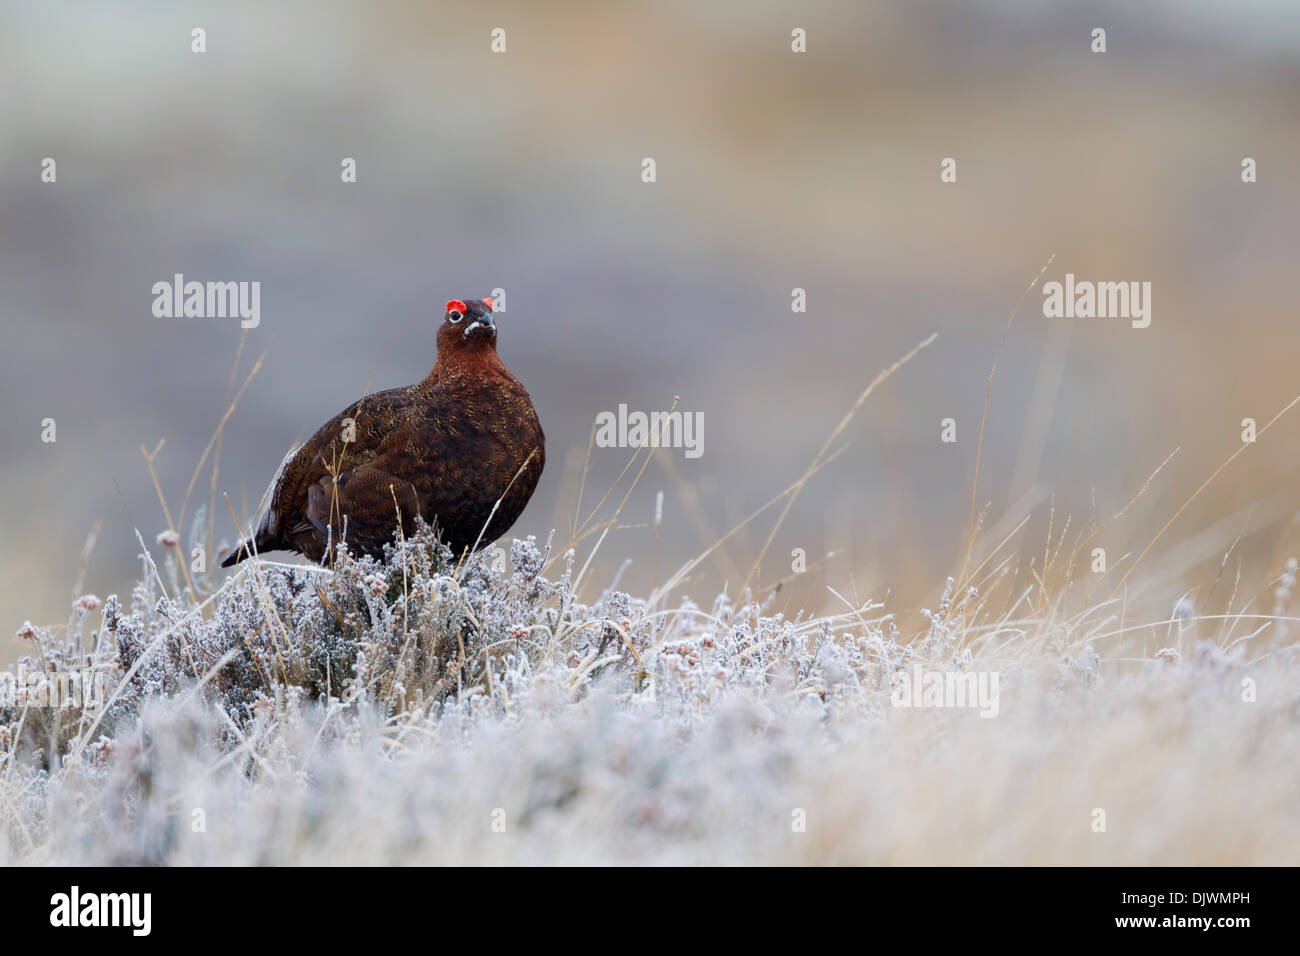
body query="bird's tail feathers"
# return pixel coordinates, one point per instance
(246, 549)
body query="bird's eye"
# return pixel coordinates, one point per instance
(454, 316)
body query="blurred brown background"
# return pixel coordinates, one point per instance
(775, 170)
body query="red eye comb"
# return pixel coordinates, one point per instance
(488, 303)
(455, 305)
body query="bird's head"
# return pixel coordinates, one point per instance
(467, 326)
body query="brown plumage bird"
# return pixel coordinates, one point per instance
(447, 449)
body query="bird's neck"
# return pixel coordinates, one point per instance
(480, 363)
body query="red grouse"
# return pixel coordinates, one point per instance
(448, 449)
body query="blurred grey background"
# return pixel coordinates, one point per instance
(775, 171)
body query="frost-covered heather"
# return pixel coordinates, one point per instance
(410, 711)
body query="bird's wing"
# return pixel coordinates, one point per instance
(370, 497)
(351, 438)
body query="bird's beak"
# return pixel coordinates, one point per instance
(484, 322)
